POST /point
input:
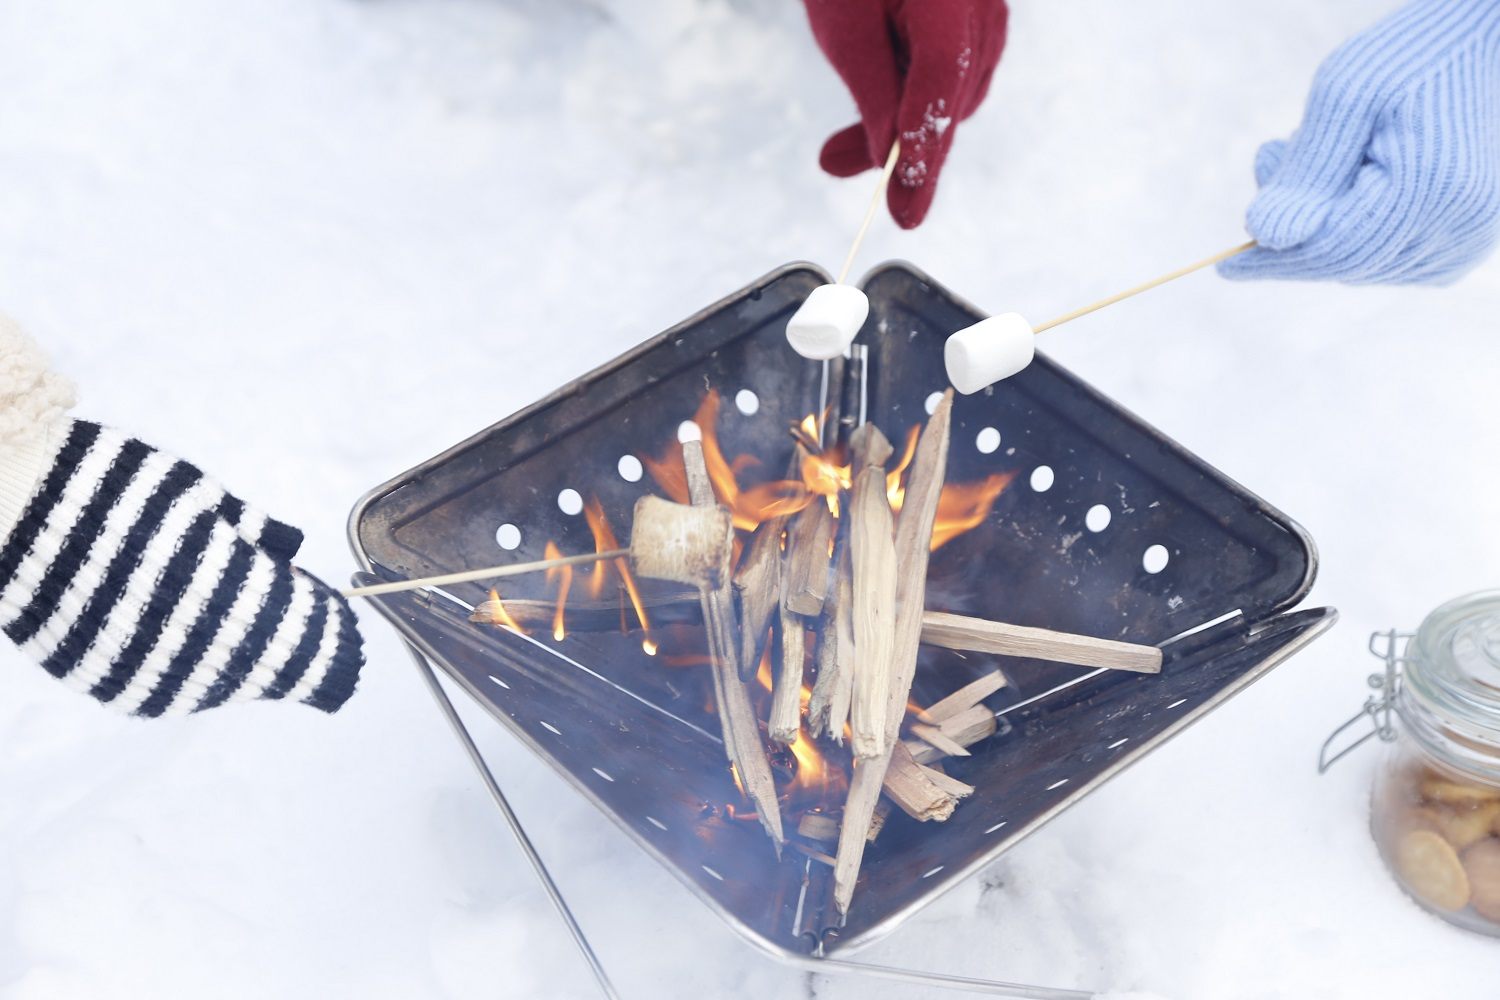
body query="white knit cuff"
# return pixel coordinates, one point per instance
(23, 463)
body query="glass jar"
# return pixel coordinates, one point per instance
(1435, 807)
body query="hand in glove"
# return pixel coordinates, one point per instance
(1394, 174)
(916, 68)
(131, 576)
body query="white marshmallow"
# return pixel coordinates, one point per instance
(990, 350)
(827, 322)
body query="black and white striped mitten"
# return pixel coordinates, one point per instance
(133, 577)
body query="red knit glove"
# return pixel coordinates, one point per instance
(917, 66)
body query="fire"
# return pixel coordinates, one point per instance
(964, 506)
(749, 506)
(894, 491)
(605, 541)
(499, 616)
(564, 576)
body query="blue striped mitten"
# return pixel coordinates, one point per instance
(132, 576)
(1394, 174)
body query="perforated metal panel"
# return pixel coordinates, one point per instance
(635, 735)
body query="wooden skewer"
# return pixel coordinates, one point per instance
(1143, 287)
(864, 227)
(487, 573)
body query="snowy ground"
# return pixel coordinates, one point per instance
(232, 222)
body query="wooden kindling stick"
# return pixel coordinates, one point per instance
(1144, 286)
(487, 573)
(963, 633)
(864, 227)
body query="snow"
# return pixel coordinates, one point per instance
(312, 242)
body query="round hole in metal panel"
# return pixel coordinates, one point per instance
(570, 502)
(1156, 558)
(1098, 517)
(932, 401)
(1042, 478)
(508, 537)
(689, 431)
(747, 402)
(987, 441)
(630, 468)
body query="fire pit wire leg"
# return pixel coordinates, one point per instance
(538, 866)
(940, 980)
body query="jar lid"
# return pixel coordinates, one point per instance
(1451, 675)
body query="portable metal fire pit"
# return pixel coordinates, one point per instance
(1110, 529)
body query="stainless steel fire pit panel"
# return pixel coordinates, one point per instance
(635, 735)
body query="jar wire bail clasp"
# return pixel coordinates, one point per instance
(1379, 708)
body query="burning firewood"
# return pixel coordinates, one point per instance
(742, 743)
(786, 692)
(873, 562)
(758, 584)
(809, 539)
(913, 539)
(828, 708)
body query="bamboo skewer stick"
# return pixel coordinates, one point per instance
(864, 227)
(1144, 286)
(487, 573)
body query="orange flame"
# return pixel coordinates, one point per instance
(750, 506)
(964, 506)
(605, 541)
(564, 576)
(500, 616)
(894, 491)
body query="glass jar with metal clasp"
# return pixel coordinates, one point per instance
(1435, 806)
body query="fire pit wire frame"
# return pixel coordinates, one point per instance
(602, 713)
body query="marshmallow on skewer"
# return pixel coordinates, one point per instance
(827, 322)
(992, 349)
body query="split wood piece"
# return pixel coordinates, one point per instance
(742, 742)
(959, 632)
(963, 699)
(859, 811)
(808, 541)
(923, 793)
(924, 486)
(966, 729)
(818, 826)
(758, 584)
(935, 736)
(828, 709)
(873, 554)
(981, 636)
(877, 821)
(786, 690)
